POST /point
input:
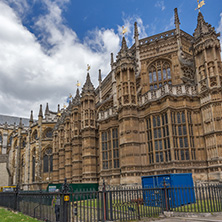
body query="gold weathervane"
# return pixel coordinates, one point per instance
(64, 106)
(124, 30)
(78, 84)
(88, 67)
(200, 4)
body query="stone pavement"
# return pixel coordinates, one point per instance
(190, 219)
(186, 217)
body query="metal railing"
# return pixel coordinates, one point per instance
(116, 204)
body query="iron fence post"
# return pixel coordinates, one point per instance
(110, 205)
(165, 194)
(137, 203)
(40, 203)
(16, 198)
(104, 207)
(65, 201)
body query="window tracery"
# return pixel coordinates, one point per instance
(183, 138)
(110, 149)
(159, 74)
(48, 160)
(158, 138)
(34, 135)
(48, 133)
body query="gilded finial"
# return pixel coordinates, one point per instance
(200, 4)
(124, 30)
(88, 67)
(78, 84)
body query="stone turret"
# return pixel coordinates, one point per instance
(125, 77)
(76, 139)
(207, 56)
(88, 129)
(125, 73)
(206, 49)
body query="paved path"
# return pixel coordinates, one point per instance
(191, 219)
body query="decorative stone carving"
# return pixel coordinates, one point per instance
(213, 81)
(187, 66)
(153, 95)
(179, 90)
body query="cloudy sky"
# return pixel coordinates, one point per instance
(45, 45)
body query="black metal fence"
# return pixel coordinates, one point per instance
(115, 204)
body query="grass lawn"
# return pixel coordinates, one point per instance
(9, 216)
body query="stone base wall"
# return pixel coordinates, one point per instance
(4, 175)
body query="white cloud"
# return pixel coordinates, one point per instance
(128, 22)
(160, 4)
(32, 74)
(170, 25)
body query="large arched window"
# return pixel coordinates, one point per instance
(159, 74)
(48, 160)
(48, 133)
(35, 135)
(23, 142)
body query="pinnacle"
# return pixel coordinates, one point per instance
(176, 17)
(88, 86)
(124, 45)
(136, 33)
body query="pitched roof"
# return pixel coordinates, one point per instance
(10, 120)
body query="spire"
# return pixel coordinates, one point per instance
(176, 20)
(77, 96)
(136, 33)
(76, 99)
(100, 76)
(20, 123)
(202, 27)
(58, 108)
(88, 86)
(40, 111)
(124, 45)
(47, 109)
(31, 117)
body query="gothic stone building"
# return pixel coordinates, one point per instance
(158, 111)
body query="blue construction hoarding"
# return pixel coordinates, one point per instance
(179, 190)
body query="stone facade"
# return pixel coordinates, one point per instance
(158, 111)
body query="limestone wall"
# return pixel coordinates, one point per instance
(3, 171)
